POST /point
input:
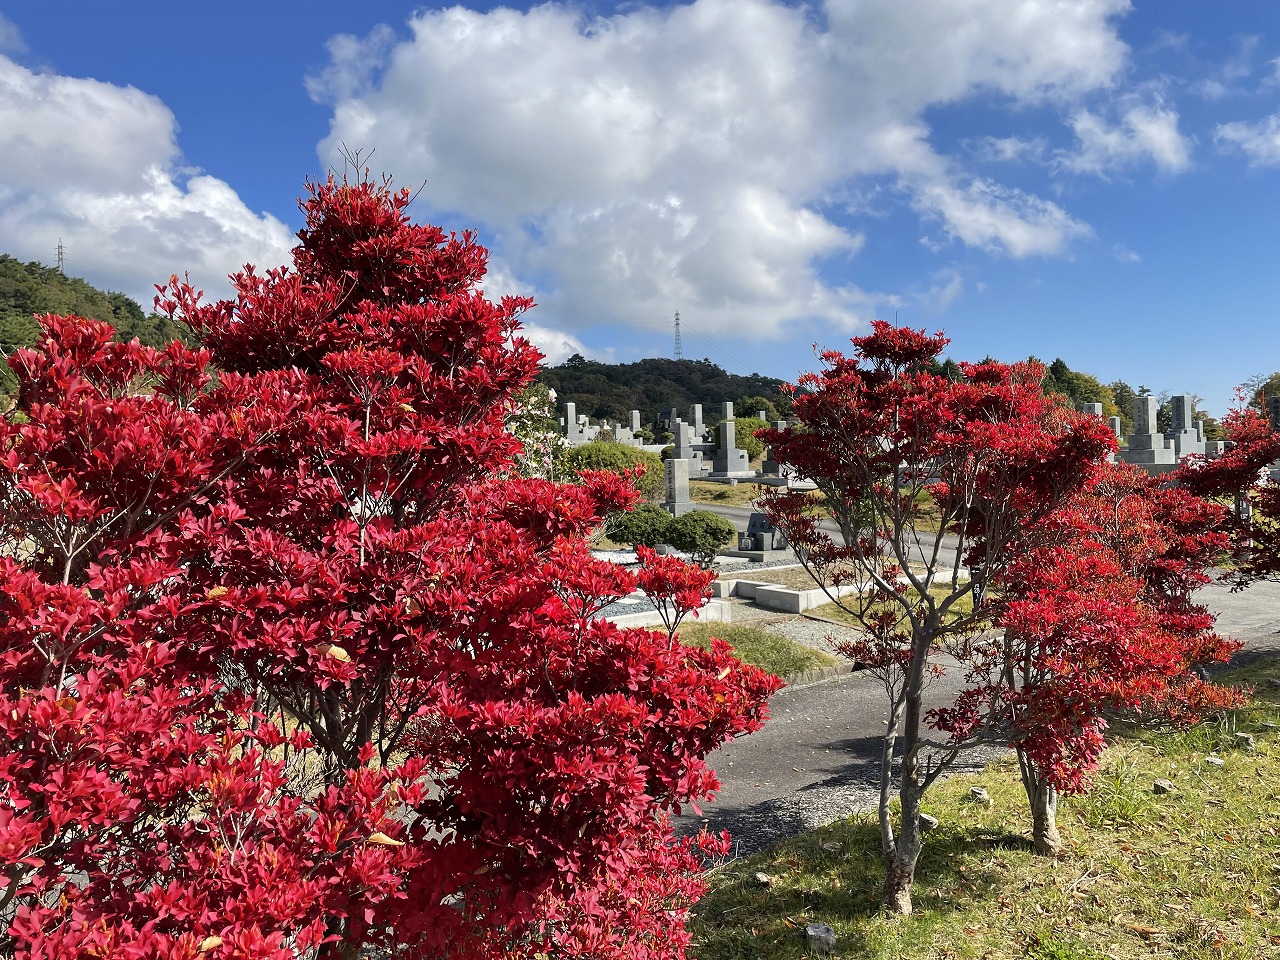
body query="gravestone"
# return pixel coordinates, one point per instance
(762, 416)
(578, 430)
(699, 431)
(1184, 430)
(1273, 412)
(1093, 408)
(763, 534)
(1116, 426)
(677, 501)
(730, 461)
(635, 421)
(770, 466)
(1147, 448)
(684, 447)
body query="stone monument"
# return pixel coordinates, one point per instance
(730, 461)
(677, 501)
(1185, 431)
(1147, 448)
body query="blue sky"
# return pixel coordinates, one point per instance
(1095, 180)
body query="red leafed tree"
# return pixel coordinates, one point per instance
(883, 439)
(1242, 477)
(315, 652)
(1097, 619)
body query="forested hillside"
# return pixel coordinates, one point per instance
(607, 391)
(28, 289)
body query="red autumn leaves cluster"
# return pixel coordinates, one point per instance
(290, 665)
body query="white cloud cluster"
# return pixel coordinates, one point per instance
(1260, 141)
(697, 154)
(96, 166)
(1145, 131)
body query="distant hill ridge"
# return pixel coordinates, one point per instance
(610, 391)
(30, 289)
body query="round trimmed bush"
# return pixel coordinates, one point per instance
(701, 534)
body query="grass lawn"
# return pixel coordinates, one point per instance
(768, 651)
(742, 495)
(833, 611)
(1192, 874)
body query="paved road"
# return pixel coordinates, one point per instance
(814, 761)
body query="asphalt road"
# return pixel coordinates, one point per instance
(814, 761)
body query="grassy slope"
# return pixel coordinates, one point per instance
(1192, 874)
(770, 652)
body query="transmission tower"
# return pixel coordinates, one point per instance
(679, 348)
(62, 262)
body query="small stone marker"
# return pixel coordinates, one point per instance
(763, 879)
(1162, 786)
(928, 823)
(1245, 741)
(832, 846)
(822, 939)
(980, 796)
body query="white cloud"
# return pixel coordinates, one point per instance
(10, 37)
(697, 154)
(1224, 79)
(985, 214)
(1259, 141)
(1007, 149)
(1145, 131)
(96, 166)
(556, 345)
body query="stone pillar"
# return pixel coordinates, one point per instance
(1273, 412)
(1115, 425)
(730, 460)
(1144, 415)
(1183, 430)
(728, 410)
(677, 474)
(699, 430)
(635, 421)
(1093, 408)
(1146, 447)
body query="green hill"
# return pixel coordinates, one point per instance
(610, 391)
(30, 289)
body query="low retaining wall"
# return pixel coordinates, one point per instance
(771, 596)
(716, 611)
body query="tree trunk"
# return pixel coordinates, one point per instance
(898, 881)
(1042, 796)
(900, 866)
